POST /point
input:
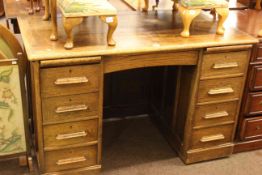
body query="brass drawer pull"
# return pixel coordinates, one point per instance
(225, 90)
(73, 108)
(70, 160)
(212, 138)
(216, 115)
(71, 135)
(225, 65)
(71, 80)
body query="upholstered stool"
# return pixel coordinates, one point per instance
(189, 9)
(73, 12)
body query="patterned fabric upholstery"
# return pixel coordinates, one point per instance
(77, 8)
(5, 49)
(204, 3)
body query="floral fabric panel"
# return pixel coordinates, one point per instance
(205, 3)
(86, 7)
(12, 133)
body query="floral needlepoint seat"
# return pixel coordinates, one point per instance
(189, 9)
(74, 11)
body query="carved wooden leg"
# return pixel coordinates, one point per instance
(46, 15)
(145, 9)
(37, 6)
(187, 16)
(260, 33)
(223, 14)
(258, 5)
(112, 24)
(174, 5)
(53, 10)
(31, 9)
(156, 6)
(69, 24)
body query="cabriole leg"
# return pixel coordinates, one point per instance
(223, 14)
(69, 24)
(53, 9)
(187, 16)
(46, 15)
(112, 24)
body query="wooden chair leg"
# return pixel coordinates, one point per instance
(223, 14)
(46, 15)
(145, 9)
(187, 16)
(31, 9)
(112, 24)
(53, 10)
(258, 5)
(174, 5)
(69, 24)
(260, 33)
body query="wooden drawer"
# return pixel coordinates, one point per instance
(256, 80)
(202, 138)
(70, 133)
(215, 114)
(254, 104)
(220, 89)
(70, 158)
(219, 64)
(69, 80)
(68, 108)
(257, 56)
(252, 128)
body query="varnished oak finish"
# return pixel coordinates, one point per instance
(246, 138)
(178, 88)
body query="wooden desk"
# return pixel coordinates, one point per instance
(197, 107)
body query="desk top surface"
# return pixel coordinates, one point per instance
(136, 33)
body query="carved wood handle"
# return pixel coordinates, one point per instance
(218, 91)
(71, 80)
(71, 135)
(212, 138)
(225, 65)
(73, 108)
(216, 115)
(70, 160)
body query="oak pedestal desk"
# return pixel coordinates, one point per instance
(207, 74)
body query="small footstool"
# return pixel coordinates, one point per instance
(189, 9)
(73, 12)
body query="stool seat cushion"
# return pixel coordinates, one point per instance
(204, 3)
(83, 8)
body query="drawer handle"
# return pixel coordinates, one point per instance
(71, 135)
(73, 108)
(70, 160)
(225, 65)
(212, 138)
(225, 90)
(216, 115)
(71, 80)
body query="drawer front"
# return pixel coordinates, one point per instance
(69, 80)
(257, 57)
(220, 89)
(70, 133)
(213, 136)
(215, 114)
(66, 108)
(254, 104)
(217, 64)
(256, 80)
(70, 158)
(252, 128)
